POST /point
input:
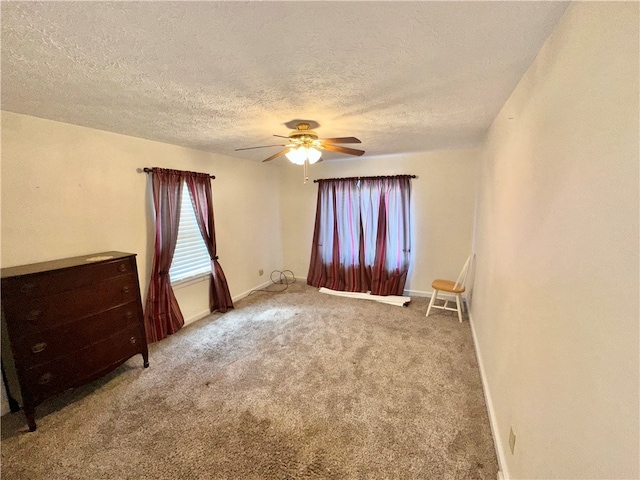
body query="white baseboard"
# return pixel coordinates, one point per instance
(242, 295)
(422, 293)
(197, 316)
(503, 472)
(235, 298)
(417, 293)
(408, 293)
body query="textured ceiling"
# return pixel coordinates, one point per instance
(401, 76)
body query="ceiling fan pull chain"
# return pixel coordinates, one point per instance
(306, 177)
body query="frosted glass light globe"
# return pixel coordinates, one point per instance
(313, 154)
(297, 155)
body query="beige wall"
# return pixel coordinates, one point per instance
(69, 190)
(442, 203)
(555, 308)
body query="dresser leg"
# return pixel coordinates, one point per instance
(145, 359)
(30, 413)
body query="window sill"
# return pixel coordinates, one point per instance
(185, 282)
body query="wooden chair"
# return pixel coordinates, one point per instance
(457, 288)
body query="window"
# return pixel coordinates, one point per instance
(191, 258)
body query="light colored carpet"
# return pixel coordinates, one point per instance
(293, 385)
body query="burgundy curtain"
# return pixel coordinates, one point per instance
(162, 314)
(392, 244)
(337, 252)
(199, 186)
(362, 238)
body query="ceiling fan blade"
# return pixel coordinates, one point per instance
(281, 136)
(261, 146)
(279, 154)
(337, 148)
(341, 140)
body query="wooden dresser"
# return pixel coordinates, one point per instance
(68, 322)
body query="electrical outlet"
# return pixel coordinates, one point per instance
(512, 440)
(260, 272)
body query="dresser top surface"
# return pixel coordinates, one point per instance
(91, 259)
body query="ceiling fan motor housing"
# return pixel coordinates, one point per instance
(303, 136)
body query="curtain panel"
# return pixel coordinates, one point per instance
(162, 314)
(362, 235)
(199, 186)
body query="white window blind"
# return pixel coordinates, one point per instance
(191, 258)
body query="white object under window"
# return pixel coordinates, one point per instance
(191, 258)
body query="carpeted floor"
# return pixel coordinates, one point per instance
(293, 385)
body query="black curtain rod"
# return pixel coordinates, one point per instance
(365, 178)
(148, 170)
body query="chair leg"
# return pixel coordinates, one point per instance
(458, 305)
(433, 299)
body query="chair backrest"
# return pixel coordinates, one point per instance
(462, 278)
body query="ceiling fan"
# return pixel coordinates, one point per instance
(304, 146)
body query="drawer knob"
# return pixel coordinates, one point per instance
(125, 289)
(38, 347)
(132, 340)
(27, 288)
(129, 314)
(122, 267)
(44, 379)
(33, 315)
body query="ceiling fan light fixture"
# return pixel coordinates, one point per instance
(297, 155)
(313, 154)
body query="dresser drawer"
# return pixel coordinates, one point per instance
(47, 283)
(47, 345)
(31, 315)
(82, 366)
